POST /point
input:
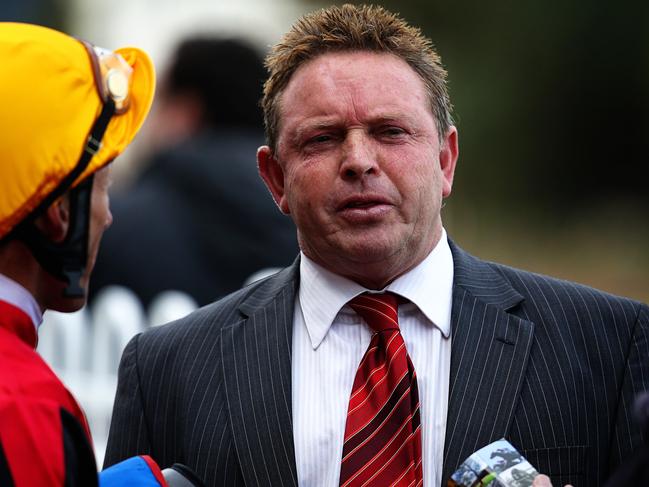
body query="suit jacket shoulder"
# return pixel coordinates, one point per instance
(477, 275)
(534, 285)
(207, 322)
(212, 390)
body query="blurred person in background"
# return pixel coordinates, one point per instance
(199, 219)
(67, 110)
(386, 354)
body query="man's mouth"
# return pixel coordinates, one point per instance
(365, 209)
(361, 202)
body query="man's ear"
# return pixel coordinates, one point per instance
(448, 155)
(273, 175)
(55, 221)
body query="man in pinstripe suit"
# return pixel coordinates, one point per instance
(253, 389)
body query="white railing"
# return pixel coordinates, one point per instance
(84, 348)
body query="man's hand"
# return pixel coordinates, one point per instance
(543, 481)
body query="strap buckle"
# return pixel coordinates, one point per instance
(92, 145)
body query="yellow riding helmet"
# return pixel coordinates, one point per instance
(53, 88)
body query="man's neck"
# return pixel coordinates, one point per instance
(379, 274)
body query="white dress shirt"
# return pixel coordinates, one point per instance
(329, 340)
(13, 293)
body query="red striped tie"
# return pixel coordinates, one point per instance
(382, 435)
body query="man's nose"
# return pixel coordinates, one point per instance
(358, 159)
(109, 219)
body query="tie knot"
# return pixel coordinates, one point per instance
(378, 310)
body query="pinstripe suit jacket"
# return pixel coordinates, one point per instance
(550, 365)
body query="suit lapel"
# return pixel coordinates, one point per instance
(490, 348)
(256, 357)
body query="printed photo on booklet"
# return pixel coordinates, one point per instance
(498, 464)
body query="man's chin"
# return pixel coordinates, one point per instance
(365, 252)
(68, 305)
(370, 260)
(372, 248)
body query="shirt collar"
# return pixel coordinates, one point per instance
(429, 285)
(15, 294)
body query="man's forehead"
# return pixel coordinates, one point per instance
(342, 63)
(351, 86)
(340, 79)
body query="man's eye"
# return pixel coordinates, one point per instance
(392, 131)
(319, 139)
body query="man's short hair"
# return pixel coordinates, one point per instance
(353, 28)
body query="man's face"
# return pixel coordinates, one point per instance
(100, 220)
(360, 166)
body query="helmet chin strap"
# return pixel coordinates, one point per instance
(65, 260)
